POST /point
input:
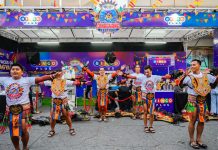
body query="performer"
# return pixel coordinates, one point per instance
(198, 87)
(60, 102)
(148, 92)
(136, 89)
(102, 85)
(18, 103)
(148, 87)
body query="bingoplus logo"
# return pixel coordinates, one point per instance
(103, 63)
(30, 19)
(174, 20)
(46, 63)
(164, 100)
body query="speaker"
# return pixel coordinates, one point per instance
(33, 58)
(110, 57)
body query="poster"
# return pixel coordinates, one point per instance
(6, 59)
(164, 101)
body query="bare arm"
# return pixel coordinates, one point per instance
(213, 85)
(116, 93)
(128, 76)
(46, 77)
(76, 82)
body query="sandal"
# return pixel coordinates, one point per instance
(201, 145)
(146, 129)
(194, 145)
(27, 148)
(72, 131)
(134, 117)
(51, 133)
(105, 119)
(151, 129)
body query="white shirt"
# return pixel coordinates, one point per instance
(62, 95)
(149, 83)
(139, 79)
(215, 90)
(17, 91)
(188, 82)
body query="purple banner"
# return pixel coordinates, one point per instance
(6, 59)
(159, 61)
(22, 19)
(55, 60)
(129, 19)
(50, 61)
(178, 61)
(215, 48)
(159, 19)
(165, 101)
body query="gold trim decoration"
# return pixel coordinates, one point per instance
(102, 81)
(201, 85)
(58, 86)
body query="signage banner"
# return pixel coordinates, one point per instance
(87, 19)
(165, 101)
(52, 61)
(6, 59)
(161, 60)
(55, 60)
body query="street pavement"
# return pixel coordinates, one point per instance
(116, 134)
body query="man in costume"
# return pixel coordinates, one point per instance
(18, 103)
(136, 89)
(198, 85)
(60, 102)
(148, 92)
(102, 85)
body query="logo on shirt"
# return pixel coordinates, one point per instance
(149, 85)
(14, 91)
(137, 82)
